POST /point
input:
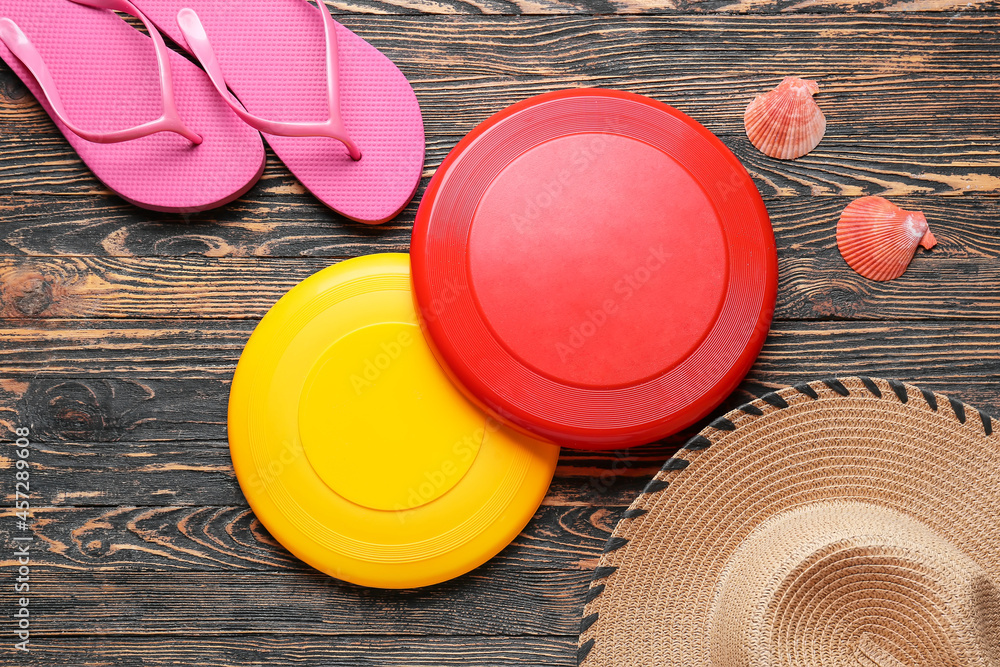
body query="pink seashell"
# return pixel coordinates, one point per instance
(786, 123)
(877, 238)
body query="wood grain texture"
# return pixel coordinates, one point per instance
(269, 225)
(254, 650)
(902, 118)
(120, 328)
(104, 227)
(941, 354)
(528, 7)
(112, 410)
(226, 539)
(491, 601)
(954, 281)
(200, 473)
(89, 410)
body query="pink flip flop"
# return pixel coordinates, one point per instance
(103, 82)
(316, 90)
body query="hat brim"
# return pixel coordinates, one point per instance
(880, 442)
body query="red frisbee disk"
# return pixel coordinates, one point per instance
(594, 267)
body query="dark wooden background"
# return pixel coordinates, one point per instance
(120, 328)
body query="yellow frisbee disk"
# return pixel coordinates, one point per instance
(355, 450)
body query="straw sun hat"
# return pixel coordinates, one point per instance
(842, 522)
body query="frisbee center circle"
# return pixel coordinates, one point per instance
(598, 260)
(380, 422)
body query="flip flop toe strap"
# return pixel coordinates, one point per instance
(197, 39)
(170, 121)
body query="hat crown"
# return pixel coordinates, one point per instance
(851, 583)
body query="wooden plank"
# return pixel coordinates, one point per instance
(260, 224)
(174, 410)
(123, 349)
(674, 7)
(68, 473)
(527, 7)
(353, 8)
(878, 74)
(952, 7)
(865, 161)
(137, 287)
(954, 281)
(183, 405)
(944, 355)
(492, 600)
(231, 539)
(277, 227)
(246, 650)
(111, 410)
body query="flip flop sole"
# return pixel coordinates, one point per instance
(106, 74)
(272, 54)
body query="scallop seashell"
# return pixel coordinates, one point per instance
(786, 123)
(877, 238)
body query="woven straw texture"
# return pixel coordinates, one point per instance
(844, 522)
